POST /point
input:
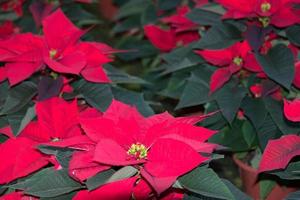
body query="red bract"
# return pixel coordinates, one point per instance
(82, 165)
(111, 191)
(181, 31)
(57, 125)
(19, 158)
(165, 146)
(7, 29)
(279, 152)
(95, 59)
(292, 110)
(230, 61)
(23, 56)
(296, 81)
(280, 13)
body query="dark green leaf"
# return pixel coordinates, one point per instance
(293, 196)
(19, 120)
(133, 98)
(205, 181)
(196, 91)
(219, 36)
(255, 110)
(18, 97)
(203, 17)
(293, 33)
(168, 4)
(48, 183)
(249, 133)
(278, 64)
(275, 109)
(118, 76)
(267, 131)
(99, 179)
(266, 186)
(96, 94)
(229, 103)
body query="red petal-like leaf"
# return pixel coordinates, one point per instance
(279, 152)
(161, 39)
(292, 110)
(219, 78)
(112, 191)
(19, 158)
(83, 167)
(169, 158)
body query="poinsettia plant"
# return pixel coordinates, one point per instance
(240, 58)
(72, 128)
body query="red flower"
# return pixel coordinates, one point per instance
(230, 61)
(292, 110)
(200, 3)
(61, 37)
(279, 153)
(165, 146)
(280, 13)
(181, 32)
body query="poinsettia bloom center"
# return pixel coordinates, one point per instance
(264, 21)
(55, 139)
(53, 53)
(265, 7)
(139, 151)
(238, 60)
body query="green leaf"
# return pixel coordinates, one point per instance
(4, 87)
(293, 196)
(133, 98)
(278, 64)
(48, 183)
(63, 155)
(249, 133)
(132, 7)
(18, 97)
(293, 33)
(205, 181)
(219, 36)
(231, 137)
(255, 110)
(124, 172)
(204, 17)
(267, 131)
(266, 186)
(275, 109)
(168, 4)
(149, 15)
(229, 103)
(96, 94)
(19, 120)
(118, 76)
(99, 179)
(291, 172)
(196, 91)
